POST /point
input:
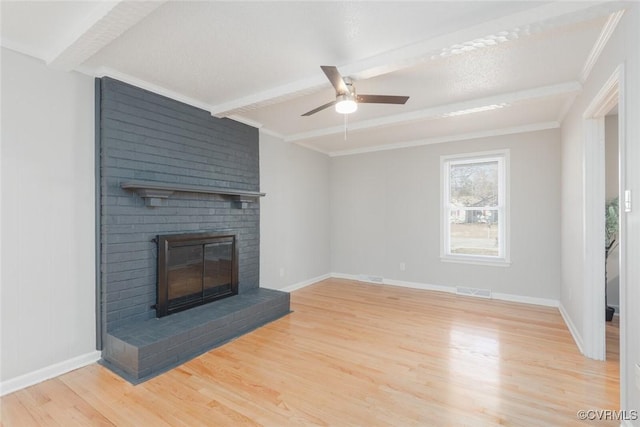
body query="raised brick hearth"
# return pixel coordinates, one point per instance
(144, 349)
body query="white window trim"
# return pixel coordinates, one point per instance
(504, 259)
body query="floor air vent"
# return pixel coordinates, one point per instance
(473, 292)
(367, 278)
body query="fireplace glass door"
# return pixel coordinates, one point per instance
(194, 269)
(217, 269)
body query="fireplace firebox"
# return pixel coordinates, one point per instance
(194, 269)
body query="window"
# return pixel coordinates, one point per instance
(475, 214)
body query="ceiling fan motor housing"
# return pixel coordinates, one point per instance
(350, 87)
(346, 103)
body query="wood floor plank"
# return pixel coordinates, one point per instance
(352, 353)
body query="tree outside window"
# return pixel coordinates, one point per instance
(475, 207)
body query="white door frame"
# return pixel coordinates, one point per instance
(611, 94)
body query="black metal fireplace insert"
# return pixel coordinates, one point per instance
(194, 269)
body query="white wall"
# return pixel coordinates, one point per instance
(47, 282)
(294, 215)
(385, 210)
(622, 48)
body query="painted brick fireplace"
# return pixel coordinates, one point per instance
(167, 168)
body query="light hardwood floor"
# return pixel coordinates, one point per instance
(355, 354)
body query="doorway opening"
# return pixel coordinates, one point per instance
(607, 102)
(612, 243)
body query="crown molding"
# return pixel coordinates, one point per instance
(279, 136)
(312, 147)
(271, 133)
(22, 48)
(449, 138)
(246, 121)
(601, 42)
(143, 84)
(607, 97)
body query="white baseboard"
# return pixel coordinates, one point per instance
(302, 284)
(572, 328)
(416, 285)
(343, 276)
(547, 302)
(35, 377)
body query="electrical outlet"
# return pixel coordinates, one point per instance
(627, 200)
(403, 266)
(281, 271)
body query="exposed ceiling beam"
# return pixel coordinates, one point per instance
(474, 105)
(106, 23)
(477, 37)
(486, 34)
(442, 139)
(270, 96)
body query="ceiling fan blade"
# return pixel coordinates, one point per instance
(320, 108)
(335, 78)
(382, 99)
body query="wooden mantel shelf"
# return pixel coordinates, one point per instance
(154, 193)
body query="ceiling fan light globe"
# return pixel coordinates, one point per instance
(346, 106)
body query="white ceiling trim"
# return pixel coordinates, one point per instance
(107, 22)
(246, 121)
(603, 38)
(483, 35)
(443, 110)
(606, 98)
(449, 138)
(22, 48)
(271, 96)
(143, 84)
(275, 134)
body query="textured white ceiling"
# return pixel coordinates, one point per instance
(258, 62)
(228, 50)
(35, 28)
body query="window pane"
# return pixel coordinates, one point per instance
(474, 232)
(474, 184)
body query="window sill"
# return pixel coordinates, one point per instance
(460, 259)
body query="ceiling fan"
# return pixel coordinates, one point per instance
(346, 98)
